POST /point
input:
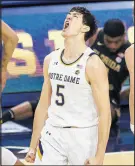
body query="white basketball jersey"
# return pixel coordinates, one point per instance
(72, 102)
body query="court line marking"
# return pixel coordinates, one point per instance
(16, 147)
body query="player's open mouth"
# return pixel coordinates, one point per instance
(66, 25)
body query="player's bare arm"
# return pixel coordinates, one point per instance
(129, 56)
(10, 41)
(98, 78)
(41, 113)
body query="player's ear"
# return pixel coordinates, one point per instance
(85, 28)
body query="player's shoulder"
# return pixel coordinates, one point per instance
(129, 52)
(54, 53)
(130, 49)
(129, 57)
(126, 45)
(94, 62)
(95, 68)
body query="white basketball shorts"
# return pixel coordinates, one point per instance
(66, 146)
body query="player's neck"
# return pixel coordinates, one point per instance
(73, 47)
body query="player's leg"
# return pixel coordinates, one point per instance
(115, 114)
(50, 151)
(25, 110)
(82, 144)
(124, 95)
(20, 112)
(8, 158)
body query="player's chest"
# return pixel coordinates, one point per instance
(73, 75)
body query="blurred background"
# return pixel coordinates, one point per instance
(38, 25)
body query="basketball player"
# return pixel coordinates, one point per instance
(10, 41)
(8, 158)
(129, 56)
(73, 114)
(110, 45)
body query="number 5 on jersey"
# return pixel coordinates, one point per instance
(61, 100)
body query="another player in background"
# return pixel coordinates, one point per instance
(10, 41)
(110, 44)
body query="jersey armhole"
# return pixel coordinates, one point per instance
(90, 55)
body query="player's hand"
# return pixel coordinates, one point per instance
(93, 161)
(31, 155)
(3, 78)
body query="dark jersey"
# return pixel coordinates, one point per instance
(115, 62)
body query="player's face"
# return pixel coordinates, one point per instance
(72, 25)
(114, 43)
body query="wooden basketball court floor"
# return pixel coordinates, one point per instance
(119, 158)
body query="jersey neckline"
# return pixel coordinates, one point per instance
(62, 53)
